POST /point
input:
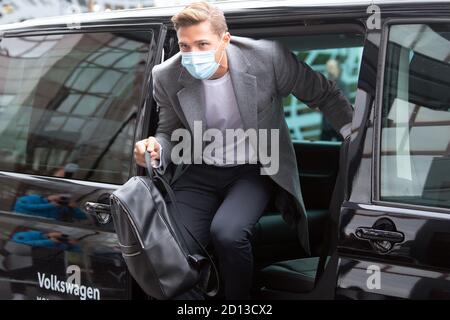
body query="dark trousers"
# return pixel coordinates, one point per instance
(222, 204)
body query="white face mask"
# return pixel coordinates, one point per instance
(201, 64)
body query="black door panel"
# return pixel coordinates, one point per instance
(273, 239)
(42, 239)
(67, 137)
(418, 265)
(318, 164)
(396, 244)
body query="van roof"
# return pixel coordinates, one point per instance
(163, 14)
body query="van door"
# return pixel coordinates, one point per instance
(394, 236)
(336, 54)
(70, 102)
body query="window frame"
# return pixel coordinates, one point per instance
(144, 111)
(376, 154)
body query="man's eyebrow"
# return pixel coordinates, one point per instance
(197, 41)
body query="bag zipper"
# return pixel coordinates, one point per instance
(133, 225)
(131, 254)
(136, 230)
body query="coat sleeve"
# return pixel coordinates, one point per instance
(167, 123)
(311, 87)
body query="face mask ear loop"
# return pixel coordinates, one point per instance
(221, 55)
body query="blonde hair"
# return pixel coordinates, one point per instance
(198, 12)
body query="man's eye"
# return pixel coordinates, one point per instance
(203, 44)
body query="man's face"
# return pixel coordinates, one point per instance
(200, 37)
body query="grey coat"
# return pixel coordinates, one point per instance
(262, 73)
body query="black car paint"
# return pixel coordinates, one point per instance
(88, 243)
(414, 271)
(93, 246)
(417, 267)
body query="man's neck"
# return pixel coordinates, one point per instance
(223, 68)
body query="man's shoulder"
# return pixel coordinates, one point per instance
(257, 52)
(252, 45)
(169, 66)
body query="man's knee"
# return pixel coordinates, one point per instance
(228, 237)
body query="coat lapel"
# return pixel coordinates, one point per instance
(244, 85)
(191, 98)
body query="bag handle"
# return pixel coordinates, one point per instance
(153, 174)
(148, 165)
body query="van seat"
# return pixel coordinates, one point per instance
(290, 276)
(271, 229)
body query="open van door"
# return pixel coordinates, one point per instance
(394, 236)
(72, 100)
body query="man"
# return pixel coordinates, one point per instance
(233, 82)
(333, 73)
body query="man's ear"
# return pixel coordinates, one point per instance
(228, 37)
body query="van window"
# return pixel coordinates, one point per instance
(68, 103)
(415, 127)
(336, 56)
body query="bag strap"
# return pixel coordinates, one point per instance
(169, 190)
(195, 258)
(179, 170)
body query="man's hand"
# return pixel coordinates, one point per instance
(151, 145)
(55, 199)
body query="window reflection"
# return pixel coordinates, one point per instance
(415, 149)
(71, 99)
(336, 56)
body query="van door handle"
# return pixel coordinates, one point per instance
(379, 235)
(100, 210)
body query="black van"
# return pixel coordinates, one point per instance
(75, 95)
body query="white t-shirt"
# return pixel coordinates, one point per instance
(222, 112)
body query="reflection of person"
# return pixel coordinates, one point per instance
(67, 171)
(55, 240)
(28, 251)
(232, 83)
(55, 206)
(333, 74)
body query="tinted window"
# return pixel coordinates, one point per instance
(68, 103)
(338, 57)
(415, 137)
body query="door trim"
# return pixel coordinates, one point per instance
(390, 208)
(109, 27)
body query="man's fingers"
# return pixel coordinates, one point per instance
(139, 150)
(151, 144)
(156, 146)
(140, 147)
(154, 155)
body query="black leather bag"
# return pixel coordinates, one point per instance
(152, 245)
